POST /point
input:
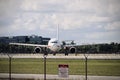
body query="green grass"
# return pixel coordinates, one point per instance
(76, 67)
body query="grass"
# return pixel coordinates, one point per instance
(76, 66)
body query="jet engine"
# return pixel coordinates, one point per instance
(72, 49)
(37, 50)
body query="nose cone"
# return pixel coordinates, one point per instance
(52, 41)
(54, 45)
(55, 48)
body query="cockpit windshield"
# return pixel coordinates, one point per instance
(54, 42)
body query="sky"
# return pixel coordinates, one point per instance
(85, 21)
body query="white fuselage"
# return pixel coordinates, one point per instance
(54, 45)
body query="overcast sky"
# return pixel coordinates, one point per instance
(85, 21)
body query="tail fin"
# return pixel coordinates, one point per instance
(57, 32)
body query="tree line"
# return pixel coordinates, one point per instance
(6, 48)
(100, 48)
(91, 48)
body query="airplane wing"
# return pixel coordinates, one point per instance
(24, 44)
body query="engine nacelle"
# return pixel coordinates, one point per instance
(37, 50)
(72, 50)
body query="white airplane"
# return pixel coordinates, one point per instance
(54, 45)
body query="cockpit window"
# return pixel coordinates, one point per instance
(54, 42)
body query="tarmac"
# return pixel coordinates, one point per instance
(56, 77)
(62, 56)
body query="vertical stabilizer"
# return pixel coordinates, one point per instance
(58, 32)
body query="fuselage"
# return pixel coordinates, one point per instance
(54, 45)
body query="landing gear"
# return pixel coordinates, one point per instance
(66, 51)
(45, 51)
(66, 54)
(54, 53)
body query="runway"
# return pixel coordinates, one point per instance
(62, 56)
(55, 77)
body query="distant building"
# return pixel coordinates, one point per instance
(4, 39)
(45, 40)
(24, 39)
